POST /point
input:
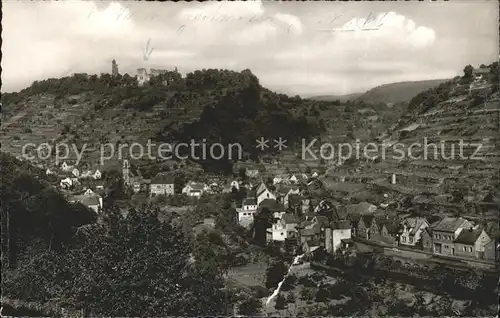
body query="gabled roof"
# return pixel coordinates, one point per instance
(322, 221)
(414, 223)
(261, 188)
(162, 179)
(340, 225)
(339, 213)
(367, 219)
(468, 236)
(196, 186)
(86, 200)
(272, 205)
(283, 190)
(250, 201)
(391, 226)
(449, 224)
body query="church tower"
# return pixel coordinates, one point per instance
(114, 68)
(126, 172)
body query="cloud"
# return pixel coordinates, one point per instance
(279, 42)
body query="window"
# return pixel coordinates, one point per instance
(282, 233)
(411, 239)
(404, 239)
(446, 247)
(465, 249)
(470, 249)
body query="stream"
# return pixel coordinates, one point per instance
(277, 290)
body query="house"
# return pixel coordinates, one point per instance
(283, 228)
(426, 239)
(314, 175)
(278, 179)
(367, 226)
(89, 192)
(48, 172)
(143, 76)
(86, 174)
(380, 230)
(247, 212)
(339, 231)
(474, 243)
(480, 73)
(75, 172)
(389, 231)
(412, 230)
(275, 208)
(97, 175)
(290, 224)
(162, 184)
(263, 193)
(296, 178)
(235, 184)
(284, 194)
(90, 201)
(66, 183)
(445, 232)
(99, 185)
(312, 232)
(194, 189)
(296, 203)
(252, 173)
(277, 231)
(65, 167)
(227, 188)
(249, 204)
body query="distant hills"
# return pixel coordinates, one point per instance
(398, 92)
(341, 98)
(386, 93)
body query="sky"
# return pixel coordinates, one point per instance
(304, 48)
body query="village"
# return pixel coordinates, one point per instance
(295, 211)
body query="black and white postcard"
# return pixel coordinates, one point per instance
(250, 158)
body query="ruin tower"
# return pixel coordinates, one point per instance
(126, 172)
(114, 68)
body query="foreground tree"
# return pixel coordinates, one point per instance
(136, 266)
(250, 306)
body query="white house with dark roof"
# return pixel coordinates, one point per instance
(474, 243)
(65, 167)
(90, 201)
(75, 172)
(445, 232)
(97, 175)
(412, 230)
(341, 234)
(283, 228)
(194, 189)
(247, 212)
(235, 184)
(263, 193)
(162, 184)
(66, 183)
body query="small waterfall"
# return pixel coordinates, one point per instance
(277, 290)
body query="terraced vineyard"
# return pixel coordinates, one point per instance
(449, 181)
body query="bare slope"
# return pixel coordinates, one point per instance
(398, 92)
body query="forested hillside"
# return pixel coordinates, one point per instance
(218, 105)
(35, 216)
